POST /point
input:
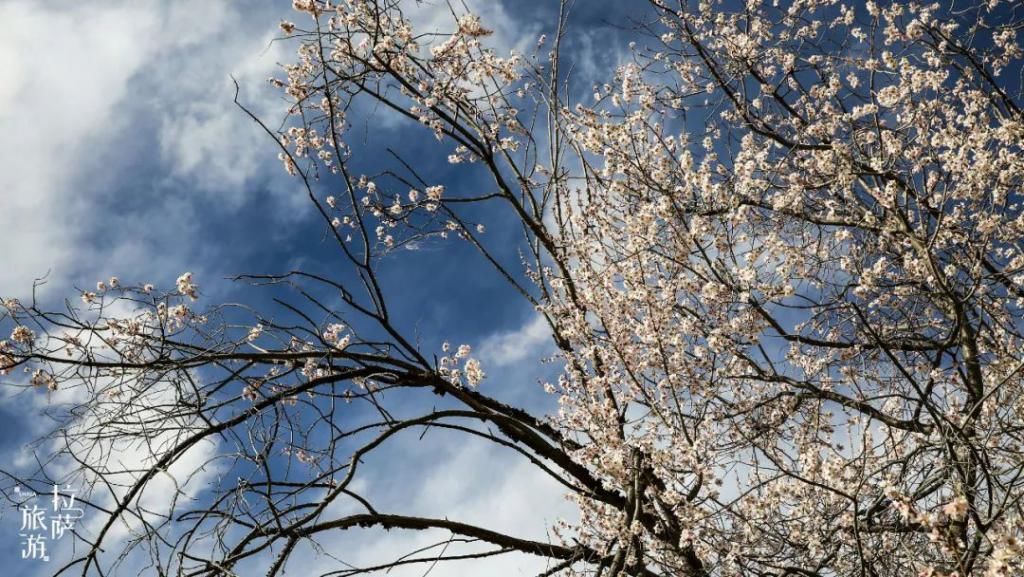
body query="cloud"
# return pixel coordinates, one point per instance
(467, 481)
(94, 99)
(71, 69)
(526, 343)
(208, 141)
(116, 118)
(114, 465)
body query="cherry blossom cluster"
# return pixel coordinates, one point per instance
(457, 365)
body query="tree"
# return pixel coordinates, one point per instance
(780, 255)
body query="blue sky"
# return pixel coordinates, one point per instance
(121, 153)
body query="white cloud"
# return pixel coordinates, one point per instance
(114, 465)
(71, 70)
(87, 88)
(207, 139)
(526, 343)
(471, 482)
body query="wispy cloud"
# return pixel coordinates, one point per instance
(525, 343)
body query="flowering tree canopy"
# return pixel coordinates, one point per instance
(780, 253)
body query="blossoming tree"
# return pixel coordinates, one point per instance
(780, 252)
